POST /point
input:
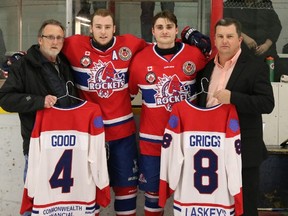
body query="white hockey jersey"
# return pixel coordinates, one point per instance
(201, 161)
(67, 172)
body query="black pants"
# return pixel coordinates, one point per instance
(250, 182)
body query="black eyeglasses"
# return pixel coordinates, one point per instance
(52, 37)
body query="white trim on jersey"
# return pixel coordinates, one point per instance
(151, 137)
(116, 120)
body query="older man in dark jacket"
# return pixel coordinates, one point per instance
(37, 79)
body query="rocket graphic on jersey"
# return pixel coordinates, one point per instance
(170, 90)
(104, 79)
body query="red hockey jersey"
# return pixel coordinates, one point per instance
(102, 78)
(67, 170)
(201, 161)
(162, 83)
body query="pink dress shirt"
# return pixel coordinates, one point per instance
(220, 77)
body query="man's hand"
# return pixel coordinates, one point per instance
(263, 48)
(223, 96)
(192, 36)
(50, 100)
(250, 42)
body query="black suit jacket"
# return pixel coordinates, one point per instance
(252, 94)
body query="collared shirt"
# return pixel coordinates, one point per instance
(220, 77)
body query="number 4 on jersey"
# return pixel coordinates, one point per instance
(63, 166)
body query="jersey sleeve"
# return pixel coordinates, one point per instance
(132, 84)
(171, 158)
(141, 43)
(200, 59)
(98, 162)
(233, 159)
(67, 46)
(33, 168)
(133, 70)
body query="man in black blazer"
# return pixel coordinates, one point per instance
(237, 79)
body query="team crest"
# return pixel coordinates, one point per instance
(104, 79)
(189, 68)
(85, 61)
(170, 90)
(150, 77)
(125, 53)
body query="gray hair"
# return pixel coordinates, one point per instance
(50, 22)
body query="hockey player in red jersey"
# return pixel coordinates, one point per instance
(165, 73)
(100, 65)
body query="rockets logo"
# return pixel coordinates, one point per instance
(170, 90)
(104, 79)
